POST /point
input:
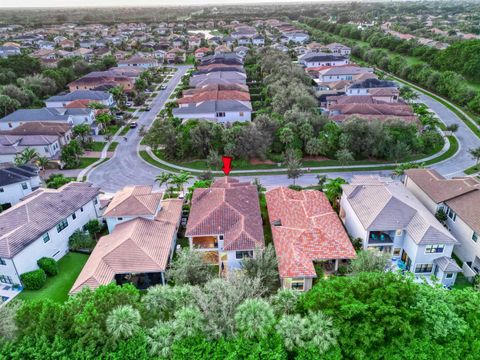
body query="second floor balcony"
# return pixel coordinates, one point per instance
(381, 237)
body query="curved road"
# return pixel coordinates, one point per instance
(127, 168)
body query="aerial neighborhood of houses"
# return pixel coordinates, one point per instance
(197, 70)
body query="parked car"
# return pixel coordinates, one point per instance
(163, 87)
(133, 125)
(128, 104)
(147, 108)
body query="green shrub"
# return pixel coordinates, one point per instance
(33, 280)
(48, 265)
(81, 240)
(342, 270)
(295, 187)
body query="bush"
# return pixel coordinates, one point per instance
(342, 270)
(295, 187)
(33, 280)
(81, 240)
(48, 265)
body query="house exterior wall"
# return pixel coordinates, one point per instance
(286, 283)
(83, 119)
(468, 249)
(58, 104)
(229, 116)
(114, 221)
(325, 63)
(12, 193)
(56, 247)
(351, 221)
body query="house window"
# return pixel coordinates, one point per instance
(220, 237)
(221, 114)
(46, 149)
(81, 209)
(449, 275)
(3, 262)
(74, 216)
(24, 186)
(1, 190)
(434, 249)
(298, 284)
(241, 113)
(423, 268)
(396, 251)
(6, 279)
(62, 225)
(243, 254)
(451, 214)
(474, 236)
(46, 237)
(95, 201)
(120, 219)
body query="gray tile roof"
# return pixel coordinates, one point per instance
(27, 140)
(28, 220)
(447, 264)
(81, 95)
(43, 114)
(384, 204)
(12, 175)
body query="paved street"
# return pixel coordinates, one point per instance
(126, 167)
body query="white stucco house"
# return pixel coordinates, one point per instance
(222, 111)
(17, 182)
(225, 223)
(41, 225)
(314, 59)
(459, 198)
(101, 97)
(386, 216)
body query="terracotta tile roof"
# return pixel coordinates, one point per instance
(229, 208)
(134, 201)
(344, 117)
(437, 187)
(39, 128)
(215, 95)
(373, 109)
(219, 66)
(135, 246)
(82, 104)
(305, 228)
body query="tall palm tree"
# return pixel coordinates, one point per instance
(181, 179)
(164, 178)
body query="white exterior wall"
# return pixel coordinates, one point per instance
(60, 104)
(328, 78)
(12, 193)
(83, 119)
(56, 247)
(114, 221)
(468, 249)
(353, 225)
(229, 116)
(325, 63)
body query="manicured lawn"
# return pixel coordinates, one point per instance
(86, 161)
(57, 287)
(111, 130)
(97, 146)
(125, 130)
(113, 146)
(472, 170)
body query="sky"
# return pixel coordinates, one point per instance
(136, 3)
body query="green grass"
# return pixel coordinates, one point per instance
(472, 170)
(183, 242)
(96, 146)
(125, 130)
(111, 130)
(57, 287)
(131, 110)
(452, 150)
(113, 146)
(461, 282)
(267, 230)
(86, 161)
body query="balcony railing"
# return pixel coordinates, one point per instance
(380, 237)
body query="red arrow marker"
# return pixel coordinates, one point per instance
(227, 164)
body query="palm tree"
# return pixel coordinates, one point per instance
(181, 179)
(333, 190)
(27, 156)
(475, 152)
(163, 178)
(123, 322)
(42, 162)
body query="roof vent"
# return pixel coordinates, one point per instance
(277, 222)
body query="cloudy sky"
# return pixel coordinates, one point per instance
(78, 3)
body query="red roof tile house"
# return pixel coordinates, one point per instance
(305, 230)
(225, 222)
(143, 232)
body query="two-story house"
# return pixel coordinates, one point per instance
(225, 223)
(313, 59)
(143, 232)
(459, 198)
(101, 97)
(385, 215)
(41, 225)
(17, 182)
